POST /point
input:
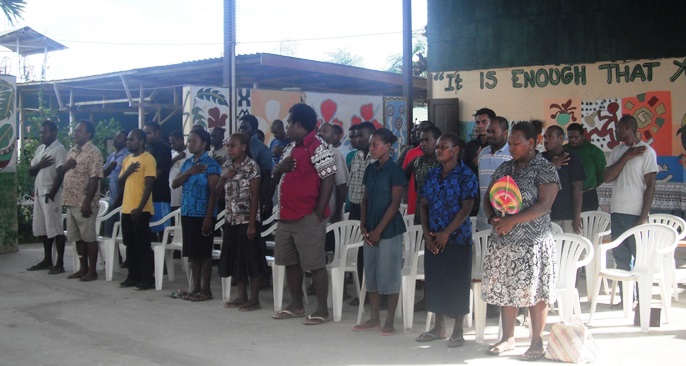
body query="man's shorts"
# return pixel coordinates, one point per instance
(301, 242)
(162, 209)
(47, 217)
(81, 228)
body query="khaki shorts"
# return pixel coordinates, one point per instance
(47, 217)
(81, 228)
(301, 242)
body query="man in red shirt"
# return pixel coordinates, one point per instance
(411, 155)
(306, 179)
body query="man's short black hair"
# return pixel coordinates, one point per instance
(630, 121)
(486, 111)
(50, 125)
(557, 129)
(354, 128)
(368, 126)
(90, 127)
(502, 121)
(575, 127)
(338, 130)
(177, 135)
(435, 131)
(305, 115)
(140, 133)
(252, 120)
(154, 125)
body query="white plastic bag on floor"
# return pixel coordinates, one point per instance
(571, 342)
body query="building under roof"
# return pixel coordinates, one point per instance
(157, 91)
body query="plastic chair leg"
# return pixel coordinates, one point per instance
(158, 251)
(628, 297)
(408, 287)
(363, 295)
(645, 283)
(429, 319)
(479, 313)
(594, 302)
(108, 255)
(337, 283)
(226, 289)
(278, 274)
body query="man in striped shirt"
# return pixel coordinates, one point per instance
(490, 158)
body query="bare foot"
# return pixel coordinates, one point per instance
(387, 331)
(78, 274)
(534, 352)
(250, 306)
(235, 303)
(368, 325)
(90, 276)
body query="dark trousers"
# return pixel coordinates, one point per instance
(625, 253)
(589, 200)
(139, 255)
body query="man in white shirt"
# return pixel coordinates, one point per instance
(631, 168)
(47, 214)
(179, 154)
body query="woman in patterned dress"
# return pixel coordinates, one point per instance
(447, 195)
(519, 266)
(198, 176)
(242, 255)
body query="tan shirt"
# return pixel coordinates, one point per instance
(88, 165)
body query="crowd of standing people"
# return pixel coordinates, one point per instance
(313, 178)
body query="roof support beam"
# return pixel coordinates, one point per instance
(126, 90)
(57, 95)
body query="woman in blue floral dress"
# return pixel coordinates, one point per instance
(519, 265)
(447, 196)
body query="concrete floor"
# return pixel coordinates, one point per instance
(50, 320)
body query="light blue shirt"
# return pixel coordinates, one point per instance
(488, 163)
(114, 175)
(261, 154)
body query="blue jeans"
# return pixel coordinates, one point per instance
(625, 253)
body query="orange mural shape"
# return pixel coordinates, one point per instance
(268, 105)
(653, 112)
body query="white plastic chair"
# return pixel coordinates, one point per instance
(103, 206)
(348, 239)
(413, 270)
(556, 229)
(480, 248)
(413, 241)
(409, 220)
(593, 223)
(570, 249)
(653, 241)
(108, 244)
(679, 225)
(403, 209)
(159, 249)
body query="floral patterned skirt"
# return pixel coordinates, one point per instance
(519, 275)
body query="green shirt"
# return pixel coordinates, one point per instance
(594, 163)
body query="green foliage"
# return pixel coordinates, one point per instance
(104, 130)
(344, 57)
(210, 95)
(395, 62)
(12, 9)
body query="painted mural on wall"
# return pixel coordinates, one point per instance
(595, 95)
(8, 165)
(208, 107)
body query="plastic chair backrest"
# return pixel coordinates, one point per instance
(345, 232)
(649, 239)
(176, 215)
(473, 220)
(413, 241)
(594, 223)
(556, 229)
(480, 239)
(571, 247)
(675, 222)
(403, 209)
(409, 220)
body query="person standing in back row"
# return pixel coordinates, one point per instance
(161, 193)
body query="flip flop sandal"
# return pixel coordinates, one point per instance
(200, 297)
(532, 356)
(429, 337)
(178, 294)
(315, 320)
(387, 332)
(233, 304)
(455, 342)
(287, 314)
(362, 327)
(499, 348)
